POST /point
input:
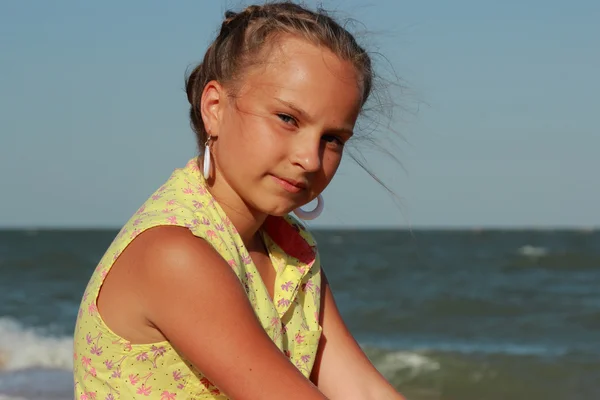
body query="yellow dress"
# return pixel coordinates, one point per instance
(108, 367)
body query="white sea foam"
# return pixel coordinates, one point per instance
(22, 348)
(532, 251)
(405, 361)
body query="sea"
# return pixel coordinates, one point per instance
(469, 314)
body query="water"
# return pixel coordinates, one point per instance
(444, 315)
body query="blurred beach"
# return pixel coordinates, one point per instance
(445, 315)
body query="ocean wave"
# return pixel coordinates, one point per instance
(532, 251)
(414, 363)
(542, 257)
(22, 347)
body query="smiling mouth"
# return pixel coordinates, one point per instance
(291, 185)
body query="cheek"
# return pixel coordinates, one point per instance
(331, 162)
(260, 139)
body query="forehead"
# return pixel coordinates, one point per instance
(310, 76)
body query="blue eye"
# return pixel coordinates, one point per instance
(287, 119)
(333, 139)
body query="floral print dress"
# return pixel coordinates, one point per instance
(108, 367)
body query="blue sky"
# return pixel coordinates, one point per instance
(93, 116)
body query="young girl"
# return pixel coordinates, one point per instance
(211, 290)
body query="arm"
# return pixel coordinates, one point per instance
(342, 370)
(193, 297)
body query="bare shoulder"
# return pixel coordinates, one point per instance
(135, 275)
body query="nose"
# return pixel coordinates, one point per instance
(307, 153)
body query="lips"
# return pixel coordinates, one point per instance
(298, 184)
(291, 185)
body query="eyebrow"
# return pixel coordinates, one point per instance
(303, 114)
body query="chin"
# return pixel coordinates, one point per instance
(279, 213)
(278, 210)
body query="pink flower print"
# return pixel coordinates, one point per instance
(146, 391)
(92, 309)
(172, 219)
(231, 263)
(127, 346)
(247, 259)
(104, 273)
(299, 338)
(188, 190)
(201, 190)
(88, 396)
(156, 197)
(96, 350)
(301, 269)
(80, 313)
(195, 222)
(133, 234)
(88, 338)
(110, 397)
(74, 356)
(249, 277)
(204, 381)
(205, 221)
(171, 202)
(91, 371)
(158, 351)
(220, 227)
(287, 286)
(276, 324)
(283, 303)
(308, 286)
(197, 204)
(177, 375)
(116, 373)
(142, 357)
(137, 222)
(141, 210)
(211, 234)
(85, 361)
(166, 395)
(85, 295)
(109, 364)
(133, 379)
(305, 358)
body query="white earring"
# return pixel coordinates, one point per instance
(206, 159)
(308, 215)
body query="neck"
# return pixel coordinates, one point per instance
(247, 222)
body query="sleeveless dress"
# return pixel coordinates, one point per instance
(108, 367)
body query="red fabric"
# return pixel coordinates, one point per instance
(288, 237)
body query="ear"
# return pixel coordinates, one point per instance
(211, 106)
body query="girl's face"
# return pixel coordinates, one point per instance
(279, 142)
